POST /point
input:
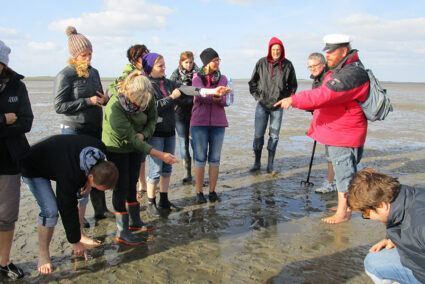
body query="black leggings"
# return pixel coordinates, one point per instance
(128, 165)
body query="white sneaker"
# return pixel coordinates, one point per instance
(326, 187)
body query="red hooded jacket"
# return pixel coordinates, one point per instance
(338, 120)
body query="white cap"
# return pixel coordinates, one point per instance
(333, 41)
(4, 53)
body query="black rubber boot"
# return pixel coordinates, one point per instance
(98, 201)
(270, 162)
(136, 223)
(123, 234)
(257, 162)
(152, 209)
(187, 164)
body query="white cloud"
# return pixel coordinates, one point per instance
(369, 26)
(7, 31)
(247, 2)
(42, 45)
(156, 40)
(118, 18)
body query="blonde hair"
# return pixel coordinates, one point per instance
(137, 88)
(81, 66)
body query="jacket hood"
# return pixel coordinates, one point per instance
(275, 40)
(400, 205)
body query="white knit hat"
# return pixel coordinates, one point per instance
(4, 53)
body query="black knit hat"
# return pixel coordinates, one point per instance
(208, 55)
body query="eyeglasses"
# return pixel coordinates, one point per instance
(314, 66)
(366, 214)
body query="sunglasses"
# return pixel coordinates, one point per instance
(366, 214)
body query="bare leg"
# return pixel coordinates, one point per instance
(84, 239)
(213, 176)
(331, 174)
(199, 178)
(142, 180)
(342, 214)
(164, 183)
(45, 235)
(6, 239)
(151, 190)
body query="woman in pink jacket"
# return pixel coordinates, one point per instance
(207, 125)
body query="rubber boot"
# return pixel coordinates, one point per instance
(136, 224)
(98, 201)
(187, 164)
(257, 162)
(123, 234)
(270, 162)
(152, 209)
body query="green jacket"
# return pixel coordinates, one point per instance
(128, 69)
(120, 127)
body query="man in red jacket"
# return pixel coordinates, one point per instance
(338, 120)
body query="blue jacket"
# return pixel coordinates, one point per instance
(406, 229)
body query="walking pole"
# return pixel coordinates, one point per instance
(307, 182)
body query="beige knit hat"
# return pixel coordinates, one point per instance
(77, 43)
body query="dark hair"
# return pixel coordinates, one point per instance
(105, 173)
(368, 188)
(6, 72)
(135, 52)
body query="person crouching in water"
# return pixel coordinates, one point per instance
(129, 120)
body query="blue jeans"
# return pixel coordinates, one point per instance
(207, 143)
(182, 127)
(261, 120)
(344, 161)
(386, 265)
(157, 168)
(42, 190)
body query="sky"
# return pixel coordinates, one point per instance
(390, 35)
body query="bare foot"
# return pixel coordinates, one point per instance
(333, 208)
(86, 241)
(44, 266)
(336, 219)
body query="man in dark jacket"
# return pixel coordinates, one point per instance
(272, 80)
(401, 209)
(77, 163)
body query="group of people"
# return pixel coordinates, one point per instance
(106, 148)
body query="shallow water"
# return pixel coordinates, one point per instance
(267, 229)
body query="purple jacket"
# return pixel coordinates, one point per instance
(205, 111)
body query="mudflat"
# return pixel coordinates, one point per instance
(266, 229)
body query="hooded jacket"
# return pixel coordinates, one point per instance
(338, 120)
(13, 143)
(406, 229)
(72, 98)
(271, 80)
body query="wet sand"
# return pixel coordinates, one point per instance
(267, 229)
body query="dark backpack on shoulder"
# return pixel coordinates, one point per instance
(377, 105)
